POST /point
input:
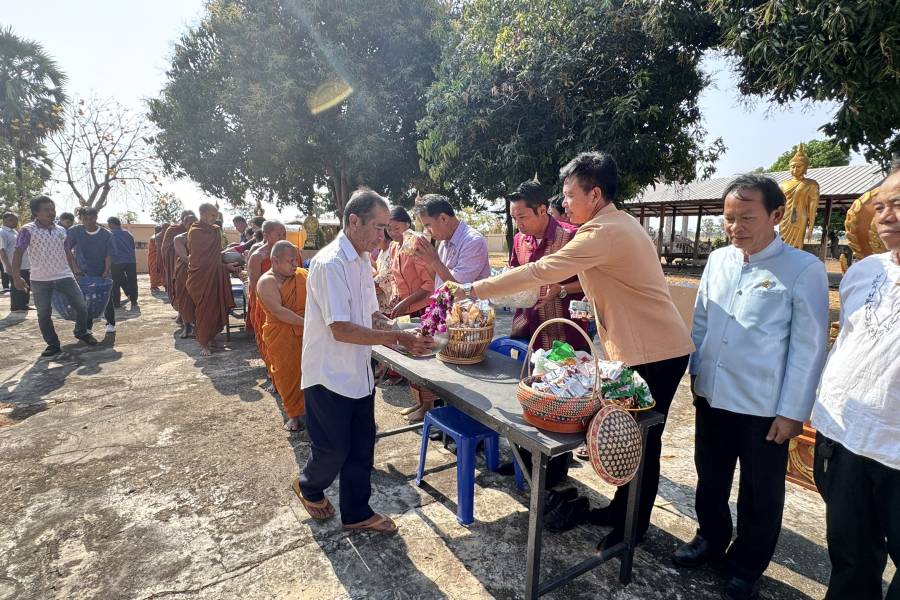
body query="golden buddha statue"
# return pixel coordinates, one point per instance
(860, 227)
(801, 203)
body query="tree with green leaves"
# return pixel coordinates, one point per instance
(821, 153)
(523, 87)
(277, 98)
(18, 186)
(31, 104)
(842, 51)
(166, 208)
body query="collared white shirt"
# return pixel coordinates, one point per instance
(8, 237)
(859, 397)
(465, 254)
(340, 287)
(761, 331)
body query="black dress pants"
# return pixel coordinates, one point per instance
(862, 517)
(18, 300)
(723, 438)
(342, 435)
(662, 378)
(124, 276)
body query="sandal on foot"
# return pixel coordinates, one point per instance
(377, 523)
(410, 409)
(582, 453)
(321, 510)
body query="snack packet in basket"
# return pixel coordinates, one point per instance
(610, 369)
(561, 353)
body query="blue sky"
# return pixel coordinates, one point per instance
(121, 49)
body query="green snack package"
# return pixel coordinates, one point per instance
(560, 352)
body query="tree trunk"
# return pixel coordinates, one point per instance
(510, 231)
(339, 184)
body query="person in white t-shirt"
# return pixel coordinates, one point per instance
(342, 324)
(857, 418)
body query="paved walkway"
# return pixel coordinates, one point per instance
(138, 469)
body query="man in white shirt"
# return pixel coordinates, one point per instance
(760, 329)
(342, 325)
(18, 299)
(857, 418)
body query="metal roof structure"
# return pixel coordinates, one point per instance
(839, 185)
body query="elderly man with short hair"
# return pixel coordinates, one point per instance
(857, 418)
(760, 329)
(342, 324)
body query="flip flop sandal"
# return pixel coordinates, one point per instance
(410, 409)
(320, 511)
(379, 524)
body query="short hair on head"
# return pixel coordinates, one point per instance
(282, 246)
(238, 219)
(399, 213)
(206, 207)
(88, 212)
(9, 215)
(258, 221)
(362, 203)
(114, 221)
(258, 235)
(187, 213)
(557, 203)
(772, 195)
(66, 216)
(593, 169)
(531, 193)
(157, 229)
(37, 201)
(434, 205)
(270, 226)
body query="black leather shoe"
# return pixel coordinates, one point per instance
(740, 589)
(696, 553)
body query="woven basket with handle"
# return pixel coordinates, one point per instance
(467, 345)
(614, 445)
(549, 411)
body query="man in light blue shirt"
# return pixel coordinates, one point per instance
(760, 329)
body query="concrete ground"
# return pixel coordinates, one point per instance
(138, 469)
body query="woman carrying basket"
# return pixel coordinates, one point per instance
(638, 323)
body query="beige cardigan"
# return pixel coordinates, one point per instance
(620, 271)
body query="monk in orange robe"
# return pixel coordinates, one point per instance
(153, 259)
(207, 278)
(281, 295)
(184, 304)
(167, 253)
(260, 262)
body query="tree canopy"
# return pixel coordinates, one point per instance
(821, 153)
(842, 51)
(166, 208)
(523, 87)
(276, 98)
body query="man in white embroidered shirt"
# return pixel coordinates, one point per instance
(857, 418)
(760, 329)
(337, 379)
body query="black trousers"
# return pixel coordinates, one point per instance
(862, 517)
(722, 438)
(662, 378)
(18, 300)
(342, 435)
(5, 278)
(124, 277)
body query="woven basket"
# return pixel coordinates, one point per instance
(548, 411)
(467, 345)
(614, 445)
(96, 292)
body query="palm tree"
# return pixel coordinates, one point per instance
(31, 101)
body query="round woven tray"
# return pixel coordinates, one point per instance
(467, 345)
(552, 412)
(614, 445)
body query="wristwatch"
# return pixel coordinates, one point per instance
(467, 290)
(563, 292)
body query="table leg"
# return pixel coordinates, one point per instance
(535, 526)
(634, 497)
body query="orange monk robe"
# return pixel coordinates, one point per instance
(259, 315)
(183, 303)
(167, 254)
(152, 266)
(207, 282)
(284, 344)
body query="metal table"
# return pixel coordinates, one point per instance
(487, 393)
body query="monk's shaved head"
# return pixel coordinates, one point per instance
(285, 258)
(270, 226)
(282, 247)
(273, 231)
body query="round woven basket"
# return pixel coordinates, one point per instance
(614, 445)
(549, 411)
(467, 345)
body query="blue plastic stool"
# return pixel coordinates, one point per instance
(516, 349)
(467, 433)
